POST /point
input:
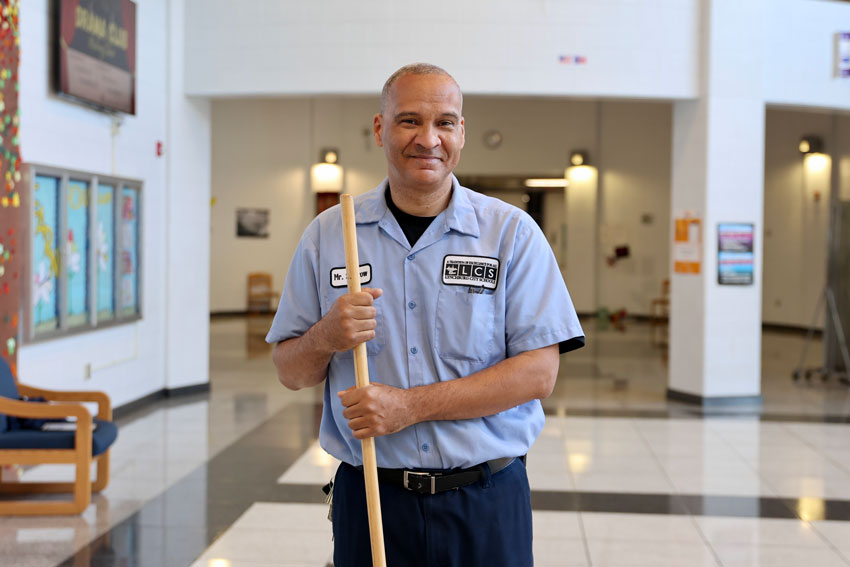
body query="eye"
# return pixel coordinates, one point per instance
(447, 124)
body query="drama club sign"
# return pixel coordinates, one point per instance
(97, 52)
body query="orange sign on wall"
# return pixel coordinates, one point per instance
(687, 246)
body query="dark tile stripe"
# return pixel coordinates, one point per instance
(671, 504)
(696, 412)
(633, 503)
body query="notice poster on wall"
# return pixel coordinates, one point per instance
(687, 246)
(842, 55)
(735, 254)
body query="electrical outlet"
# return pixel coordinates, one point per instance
(87, 371)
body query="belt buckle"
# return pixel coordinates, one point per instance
(420, 484)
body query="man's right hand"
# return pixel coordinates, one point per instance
(350, 321)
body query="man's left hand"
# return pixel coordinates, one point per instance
(375, 410)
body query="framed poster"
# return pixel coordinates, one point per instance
(96, 52)
(735, 253)
(252, 223)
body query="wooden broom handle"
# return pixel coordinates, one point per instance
(361, 373)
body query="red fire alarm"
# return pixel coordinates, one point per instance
(158, 148)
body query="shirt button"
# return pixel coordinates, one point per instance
(411, 257)
(414, 350)
(412, 304)
(425, 447)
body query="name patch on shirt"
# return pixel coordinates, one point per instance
(338, 276)
(479, 271)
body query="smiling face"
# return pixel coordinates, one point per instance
(422, 132)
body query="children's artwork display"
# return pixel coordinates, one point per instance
(85, 252)
(45, 254)
(129, 251)
(76, 252)
(105, 253)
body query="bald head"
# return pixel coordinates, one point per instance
(414, 69)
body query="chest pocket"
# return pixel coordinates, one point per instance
(465, 325)
(373, 346)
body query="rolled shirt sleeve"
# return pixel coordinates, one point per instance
(538, 308)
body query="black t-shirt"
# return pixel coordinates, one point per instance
(412, 226)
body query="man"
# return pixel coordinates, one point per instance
(464, 309)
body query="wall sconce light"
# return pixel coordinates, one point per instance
(811, 145)
(579, 168)
(578, 157)
(546, 182)
(326, 179)
(326, 176)
(816, 165)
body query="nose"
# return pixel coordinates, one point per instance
(426, 137)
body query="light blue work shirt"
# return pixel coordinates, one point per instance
(481, 284)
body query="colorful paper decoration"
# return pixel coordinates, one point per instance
(12, 208)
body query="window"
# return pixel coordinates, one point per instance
(85, 261)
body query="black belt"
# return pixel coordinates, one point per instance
(424, 482)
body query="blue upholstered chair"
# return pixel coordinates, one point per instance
(26, 441)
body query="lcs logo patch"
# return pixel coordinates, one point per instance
(339, 279)
(474, 271)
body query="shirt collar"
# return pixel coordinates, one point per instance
(459, 215)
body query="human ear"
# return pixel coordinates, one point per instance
(378, 129)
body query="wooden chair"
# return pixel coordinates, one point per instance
(659, 314)
(89, 441)
(261, 297)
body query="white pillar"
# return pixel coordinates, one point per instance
(187, 225)
(718, 176)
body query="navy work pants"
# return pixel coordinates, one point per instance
(487, 523)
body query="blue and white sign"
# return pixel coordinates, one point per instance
(842, 55)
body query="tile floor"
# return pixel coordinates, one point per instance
(620, 477)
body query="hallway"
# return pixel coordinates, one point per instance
(620, 476)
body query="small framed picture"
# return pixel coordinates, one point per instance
(252, 223)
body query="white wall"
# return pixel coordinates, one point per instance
(635, 48)
(798, 53)
(262, 150)
(129, 361)
(635, 181)
(261, 154)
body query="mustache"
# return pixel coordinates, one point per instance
(424, 155)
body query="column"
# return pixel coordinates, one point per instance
(187, 213)
(718, 177)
